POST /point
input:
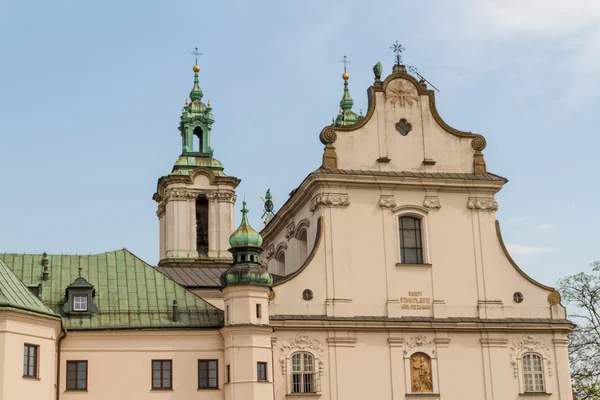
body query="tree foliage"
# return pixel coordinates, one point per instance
(582, 293)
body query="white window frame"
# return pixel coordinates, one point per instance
(414, 211)
(434, 369)
(286, 366)
(546, 370)
(78, 296)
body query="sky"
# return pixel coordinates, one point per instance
(91, 93)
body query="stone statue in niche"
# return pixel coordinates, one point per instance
(420, 373)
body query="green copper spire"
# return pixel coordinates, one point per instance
(245, 246)
(346, 115)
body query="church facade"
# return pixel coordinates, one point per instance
(384, 275)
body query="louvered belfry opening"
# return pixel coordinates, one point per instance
(202, 225)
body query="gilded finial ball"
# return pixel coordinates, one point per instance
(196, 68)
(186, 102)
(208, 103)
(361, 111)
(346, 76)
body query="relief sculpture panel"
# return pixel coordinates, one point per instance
(420, 373)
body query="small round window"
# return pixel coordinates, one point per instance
(307, 294)
(518, 297)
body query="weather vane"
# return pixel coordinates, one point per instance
(398, 49)
(346, 62)
(269, 207)
(414, 70)
(196, 53)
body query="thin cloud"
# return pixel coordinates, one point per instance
(514, 248)
(543, 227)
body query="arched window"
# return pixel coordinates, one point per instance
(411, 240)
(202, 225)
(533, 373)
(302, 245)
(303, 373)
(280, 263)
(198, 133)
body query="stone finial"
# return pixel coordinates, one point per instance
(377, 70)
(175, 311)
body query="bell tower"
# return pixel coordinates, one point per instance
(195, 201)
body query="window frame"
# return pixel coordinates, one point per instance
(418, 231)
(26, 364)
(531, 355)
(258, 310)
(162, 362)
(80, 296)
(87, 374)
(208, 385)
(228, 373)
(303, 373)
(421, 213)
(265, 378)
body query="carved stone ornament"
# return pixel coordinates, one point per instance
(270, 252)
(221, 197)
(432, 203)
(526, 344)
(387, 202)
(161, 209)
(483, 204)
(329, 200)
(478, 143)
(554, 298)
(328, 136)
(402, 92)
(417, 341)
(290, 230)
(301, 343)
(180, 194)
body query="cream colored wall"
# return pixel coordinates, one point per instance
(119, 363)
(357, 364)
(16, 329)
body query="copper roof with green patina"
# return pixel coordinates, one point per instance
(15, 295)
(130, 294)
(185, 164)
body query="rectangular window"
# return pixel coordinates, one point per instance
(77, 374)
(228, 374)
(30, 355)
(208, 374)
(258, 311)
(261, 371)
(411, 246)
(80, 302)
(162, 374)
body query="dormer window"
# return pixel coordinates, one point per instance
(80, 302)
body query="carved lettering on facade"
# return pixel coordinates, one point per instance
(432, 203)
(301, 343)
(329, 200)
(481, 203)
(526, 344)
(387, 202)
(415, 301)
(290, 230)
(421, 379)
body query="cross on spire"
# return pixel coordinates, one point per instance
(398, 49)
(346, 62)
(196, 53)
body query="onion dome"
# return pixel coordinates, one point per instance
(245, 236)
(346, 115)
(245, 246)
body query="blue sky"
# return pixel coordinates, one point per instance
(91, 93)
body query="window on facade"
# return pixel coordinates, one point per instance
(258, 311)
(80, 302)
(162, 374)
(77, 374)
(30, 355)
(411, 246)
(208, 376)
(228, 368)
(202, 225)
(533, 373)
(280, 263)
(303, 373)
(261, 371)
(302, 245)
